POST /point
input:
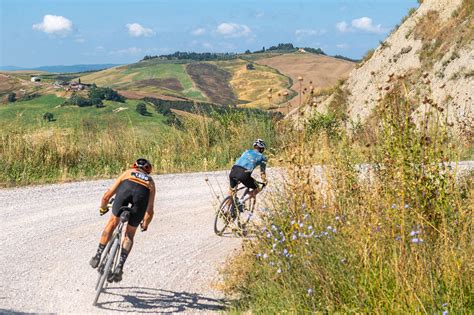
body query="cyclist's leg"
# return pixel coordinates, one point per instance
(121, 199)
(251, 183)
(233, 181)
(139, 205)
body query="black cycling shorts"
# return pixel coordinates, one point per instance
(135, 194)
(239, 174)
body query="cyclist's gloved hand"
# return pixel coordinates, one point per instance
(103, 211)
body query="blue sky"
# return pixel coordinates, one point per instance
(53, 32)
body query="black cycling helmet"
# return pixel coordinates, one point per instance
(143, 164)
(260, 144)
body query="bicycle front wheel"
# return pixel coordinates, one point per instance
(108, 265)
(223, 216)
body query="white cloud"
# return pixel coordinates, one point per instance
(342, 27)
(309, 32)
(198, 31)
(259, 15)
(366, 24)
(233, 30)
(342, 46)
(137, 30)
(126, 51)
(54, 24)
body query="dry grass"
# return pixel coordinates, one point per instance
(316, 70)
(390, 236)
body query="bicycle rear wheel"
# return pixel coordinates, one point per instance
(108, 265)
(223, 216)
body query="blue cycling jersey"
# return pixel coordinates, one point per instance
(250, 159)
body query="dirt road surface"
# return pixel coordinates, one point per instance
(50, 232)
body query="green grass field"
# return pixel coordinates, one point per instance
(128, 78)
(28, 115)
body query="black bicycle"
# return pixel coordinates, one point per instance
(111, 254)
(236, 211)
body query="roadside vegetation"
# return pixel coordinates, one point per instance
(73, 142)
(384, 226)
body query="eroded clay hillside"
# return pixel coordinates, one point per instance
(432, 53)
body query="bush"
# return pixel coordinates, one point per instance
(48, 117)
(105, 93)
(327, 123)
(141, 109)
(11, 98)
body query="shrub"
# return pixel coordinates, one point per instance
(48, 117)
(141, 109)
(11, 98)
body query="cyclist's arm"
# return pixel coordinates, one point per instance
(111, 191)
(263, 166)
(150, 208)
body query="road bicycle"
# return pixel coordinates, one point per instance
(235, 211)
(111, 254)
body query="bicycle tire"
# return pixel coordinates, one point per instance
(102, 262)
(223, 212)
(108, 265)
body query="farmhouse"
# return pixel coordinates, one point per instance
(35, 79)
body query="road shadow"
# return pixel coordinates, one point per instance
(150, 300)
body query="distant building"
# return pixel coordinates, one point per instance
(35, 79)
(301, 50)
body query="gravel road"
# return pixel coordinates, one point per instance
(50, 232)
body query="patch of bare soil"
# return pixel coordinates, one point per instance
(213, 81)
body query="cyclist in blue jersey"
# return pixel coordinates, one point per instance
(244, 166)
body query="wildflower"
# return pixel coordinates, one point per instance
(325, 233)
(271, 263)
(269, 235)
(265, 256)
(337, 218)
(279, 270)
(407, 206)
(397, 238)
(445, 305)
(259, 255)
(417, 240)
(310, 227)
(274, 246)
(274, 228)
(303, 206)
(329, 227)
(445, 312)
(413, 233)
(394, 206)
(301, 224)
(305, 216)
(292, 222)
(334, 230)
(294, 237)
(310, 291)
